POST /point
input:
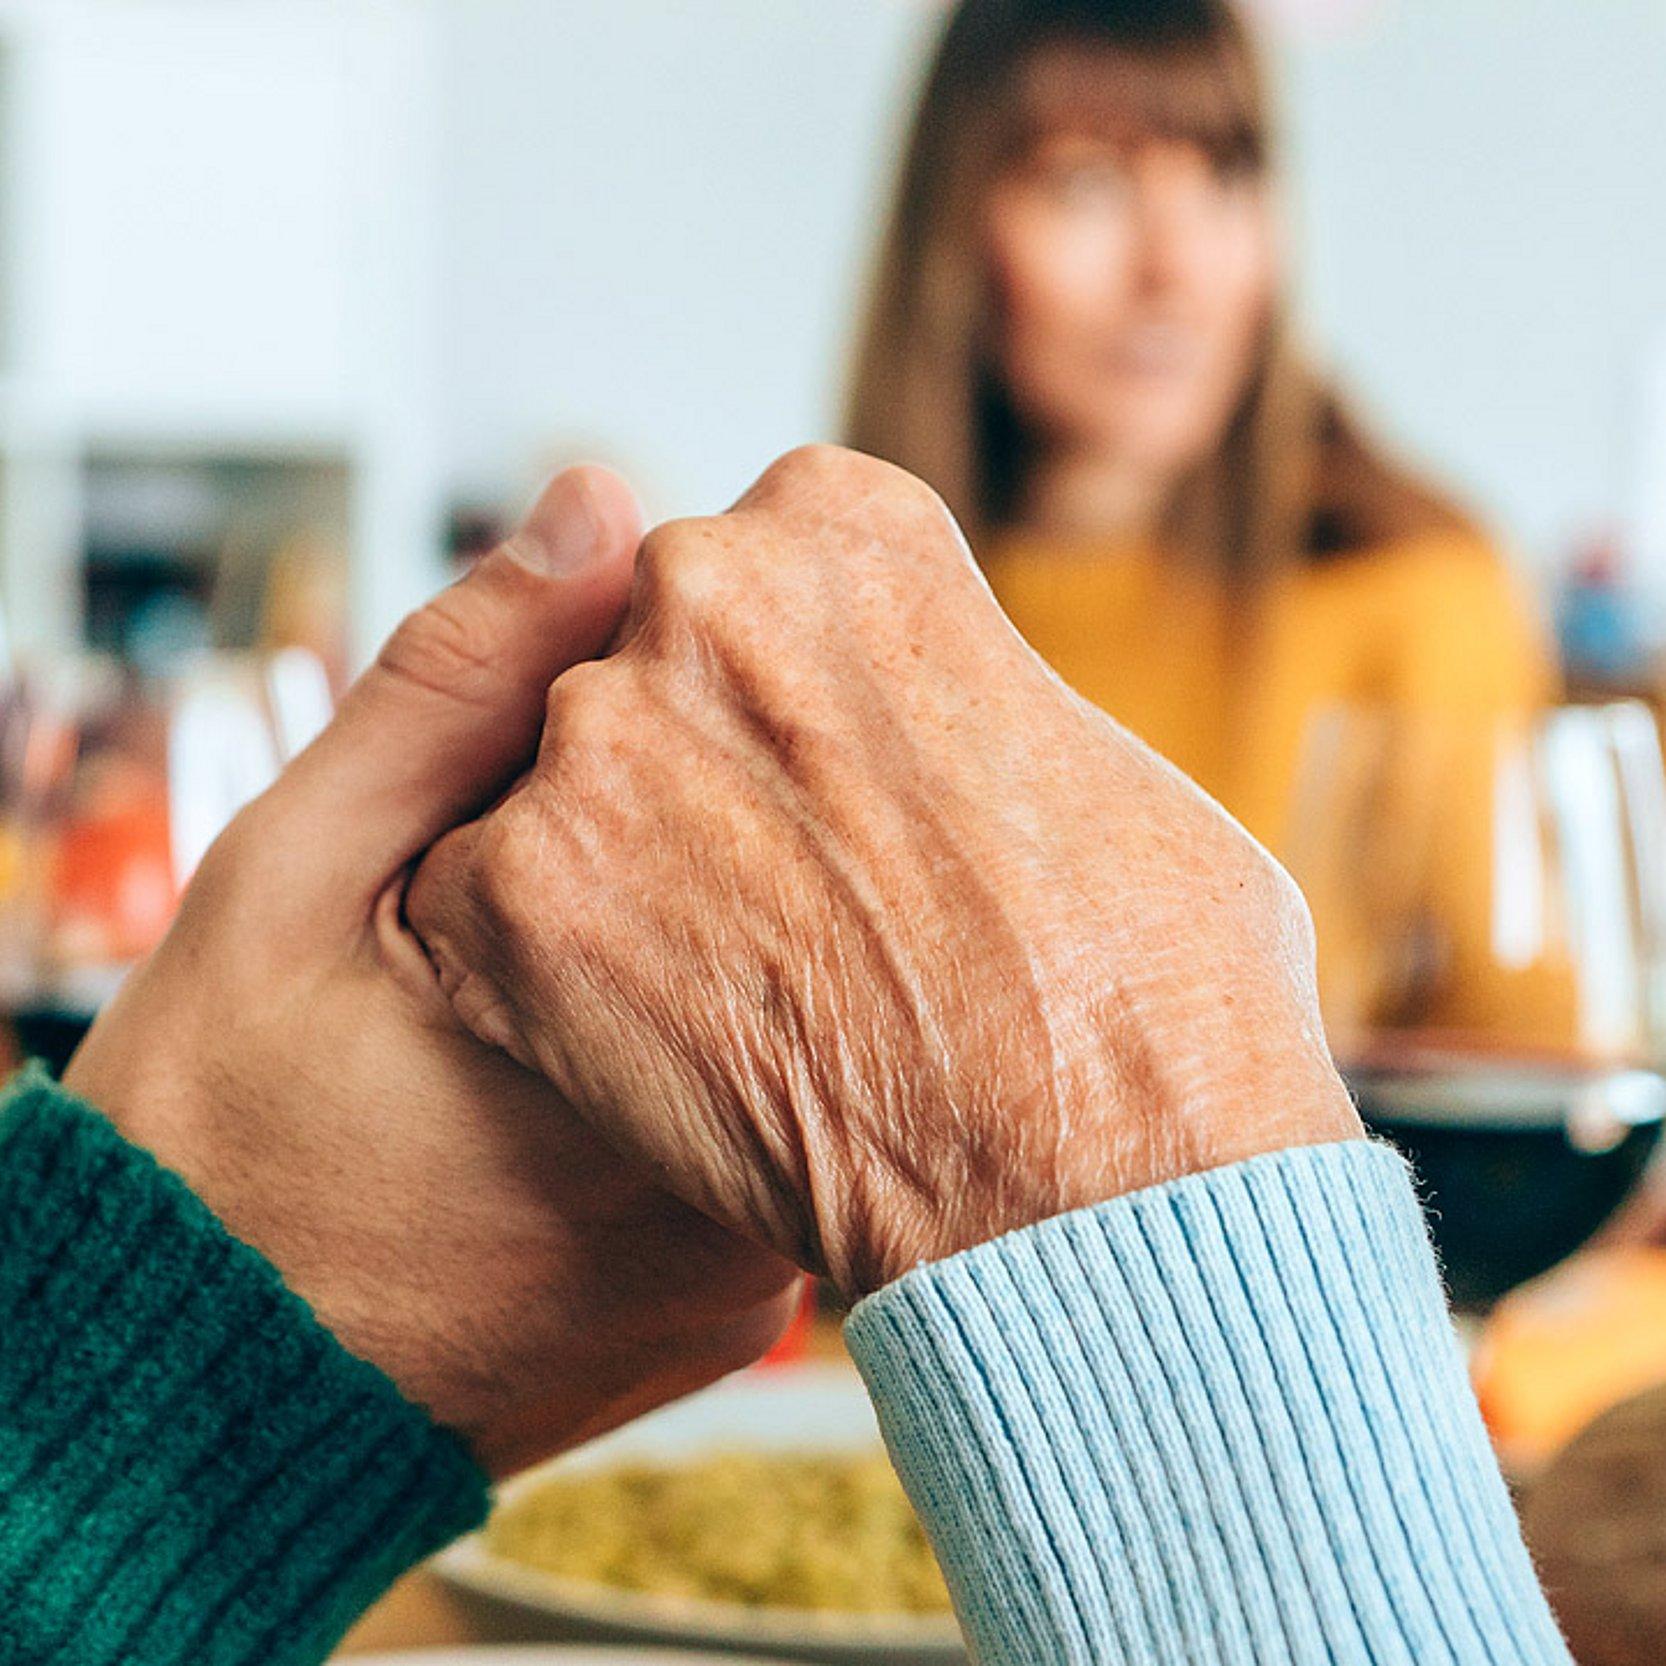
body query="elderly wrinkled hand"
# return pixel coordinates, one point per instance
(830, 903)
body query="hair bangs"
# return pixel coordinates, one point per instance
(1202, 90)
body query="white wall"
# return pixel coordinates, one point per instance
(1483, 192)
(218, 237)
(657, 215)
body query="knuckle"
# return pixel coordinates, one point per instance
(907, 490)
(686, 563)
(469, 900)
(1280, 901)
(868, 510)
(815, 464)
(852, 477)
(443, 648)
(586, 708)
(527, 885)
(503, 857)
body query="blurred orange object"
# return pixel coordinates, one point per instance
(14, 859)
(1559, 1352)
(791, 1346)
(113, 890)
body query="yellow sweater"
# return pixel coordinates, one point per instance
(1434, 624)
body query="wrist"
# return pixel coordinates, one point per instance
(155, 1101)
(1102, 1146)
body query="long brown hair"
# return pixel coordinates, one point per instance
(1293, 478)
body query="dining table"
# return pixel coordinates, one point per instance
(422, 1611)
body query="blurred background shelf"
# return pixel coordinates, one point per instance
(216, 340)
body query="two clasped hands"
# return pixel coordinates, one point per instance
(662, 916)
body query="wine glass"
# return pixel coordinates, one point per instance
(1489, 897)
(112, 786)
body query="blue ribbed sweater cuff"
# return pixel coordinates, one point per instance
(1221, 1420)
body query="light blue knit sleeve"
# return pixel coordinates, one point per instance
(1220, 1420)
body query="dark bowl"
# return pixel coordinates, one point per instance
(1518, 1175)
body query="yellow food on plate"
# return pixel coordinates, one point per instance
(796, 1531)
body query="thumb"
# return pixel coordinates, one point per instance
(452, 708)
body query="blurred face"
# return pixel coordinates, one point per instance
(1132, 285)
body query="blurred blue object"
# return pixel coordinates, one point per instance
(1598, 619)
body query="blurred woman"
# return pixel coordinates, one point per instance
(1080, 336)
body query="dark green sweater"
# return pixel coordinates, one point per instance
(192, 1469)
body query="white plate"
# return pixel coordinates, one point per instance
(820, 1407)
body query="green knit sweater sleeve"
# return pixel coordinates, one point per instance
(192, 1469)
